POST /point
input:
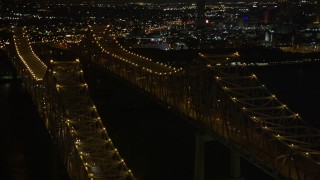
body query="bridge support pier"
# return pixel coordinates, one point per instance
(200, 141)
(235, 168)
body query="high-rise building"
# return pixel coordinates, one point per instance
(291, 11)
(265, 16)
(201, 19)
(318, 12)
(282, 1)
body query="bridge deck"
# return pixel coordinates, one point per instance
(34, 64)
(109, 45)
(68, 112)
(230, 103)
(99, 155)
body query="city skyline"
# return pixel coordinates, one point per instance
(122, 1)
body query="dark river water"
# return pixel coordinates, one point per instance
(295, 85)
(27, 151)
(155, 143)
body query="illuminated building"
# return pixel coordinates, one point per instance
(282, 1)
(201, 20)
(318, 12)
(265, 18)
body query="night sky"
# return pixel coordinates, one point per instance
(112, 1)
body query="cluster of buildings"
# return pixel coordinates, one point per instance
(290, 25)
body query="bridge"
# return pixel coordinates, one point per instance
(61, 97)
(226, 102)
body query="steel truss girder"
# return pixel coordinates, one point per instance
(230, 103)
(86, 127)
(82, 140)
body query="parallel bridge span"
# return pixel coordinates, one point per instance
(228, 102)
(61, 97)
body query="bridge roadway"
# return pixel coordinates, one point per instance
(32, 62)
(228, 102)
(107, 45)
(61, 97)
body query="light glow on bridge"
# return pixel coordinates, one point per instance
(228, 101)
(63, 101)
(111, 46)
(26, 54)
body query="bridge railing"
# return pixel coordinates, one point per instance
(229, 104)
